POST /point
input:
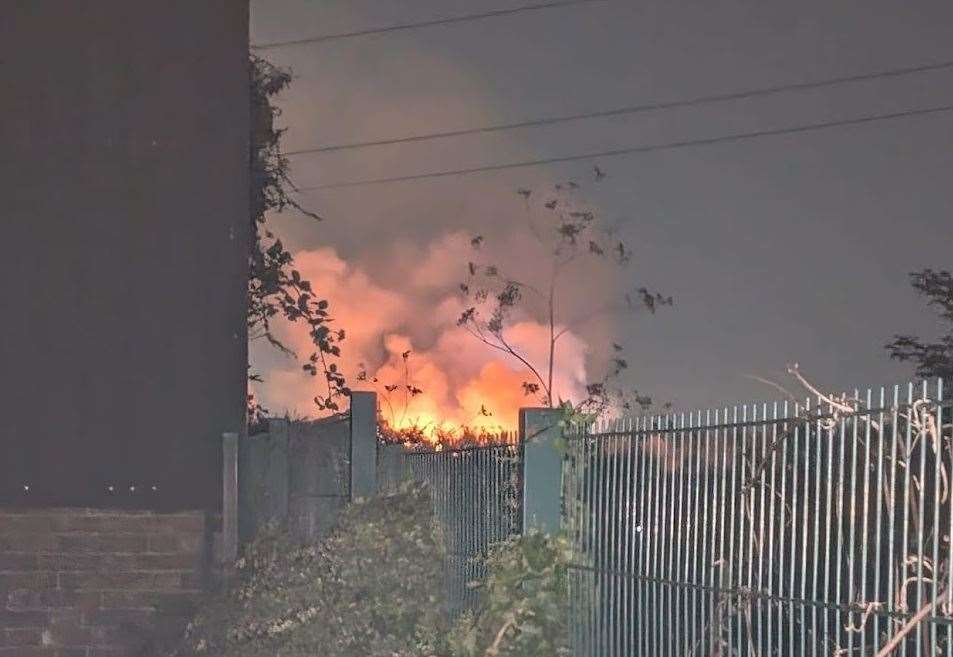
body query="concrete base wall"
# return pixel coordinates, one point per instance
(85, 583)
(297, 474)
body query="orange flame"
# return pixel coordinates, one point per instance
(449, 388)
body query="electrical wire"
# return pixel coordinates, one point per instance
(722, 139)
(632, 109)
(413, 26)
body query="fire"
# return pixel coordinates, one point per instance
(419, 398)
(434, 380)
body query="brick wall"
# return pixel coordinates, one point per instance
(84, 583)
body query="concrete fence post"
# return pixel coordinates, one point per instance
(276, 474)
(363, 444)
(542, 469)
(229, 497)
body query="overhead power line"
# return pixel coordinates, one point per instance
(722, 139)
(413, 26)
(631, 109)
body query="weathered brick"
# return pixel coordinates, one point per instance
(128, 599)
(176, 543)
(148, 580)
(166, 561)
(21, 636)
(119, 617)
(163, 600)
(33, 651)
(35, 581)
(182, 603)
(73, 652)
(82, 583)
(31, 524)
(104, 636)
(70, 634)
(66, 615)
(101, 542)
(27, 599)
(80, 600)
(89, 561)
(20, 619)
(171, 624)
(18, 561)
(27, 542)
(106, 524)
(107, 652)
(186, 523)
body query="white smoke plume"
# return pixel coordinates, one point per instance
(412, 303)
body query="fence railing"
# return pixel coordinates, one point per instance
(781, 529)
(477, 502)
(785, 529)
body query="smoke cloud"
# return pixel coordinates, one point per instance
(408, 300)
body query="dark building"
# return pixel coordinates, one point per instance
(124, 231)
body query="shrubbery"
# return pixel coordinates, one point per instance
(524, 602)
(376, 588)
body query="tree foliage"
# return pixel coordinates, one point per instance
(276, 290)
(931, 359)
(573, 235)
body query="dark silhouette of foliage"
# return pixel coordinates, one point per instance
(275, 288)
(393, 426)
(405, 388)
(932, 359)
(572, 234)
(427, 439)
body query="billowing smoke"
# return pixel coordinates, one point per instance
(411, 303)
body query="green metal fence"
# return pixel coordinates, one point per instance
(477, 502)
(784, 529)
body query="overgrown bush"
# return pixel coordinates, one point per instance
(524, 602)
(374, 588)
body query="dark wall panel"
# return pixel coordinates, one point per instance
(123, 226)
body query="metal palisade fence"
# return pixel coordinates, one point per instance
(476, 499)
(787, 529)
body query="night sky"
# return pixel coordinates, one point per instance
(778, 249)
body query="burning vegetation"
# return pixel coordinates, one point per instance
(461, 333)
(495, 322)
(438, 439)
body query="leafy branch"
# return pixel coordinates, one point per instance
(571, 234)
(386, 391)
(276, 290)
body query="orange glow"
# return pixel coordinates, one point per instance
(462, 383)
(487, 404)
